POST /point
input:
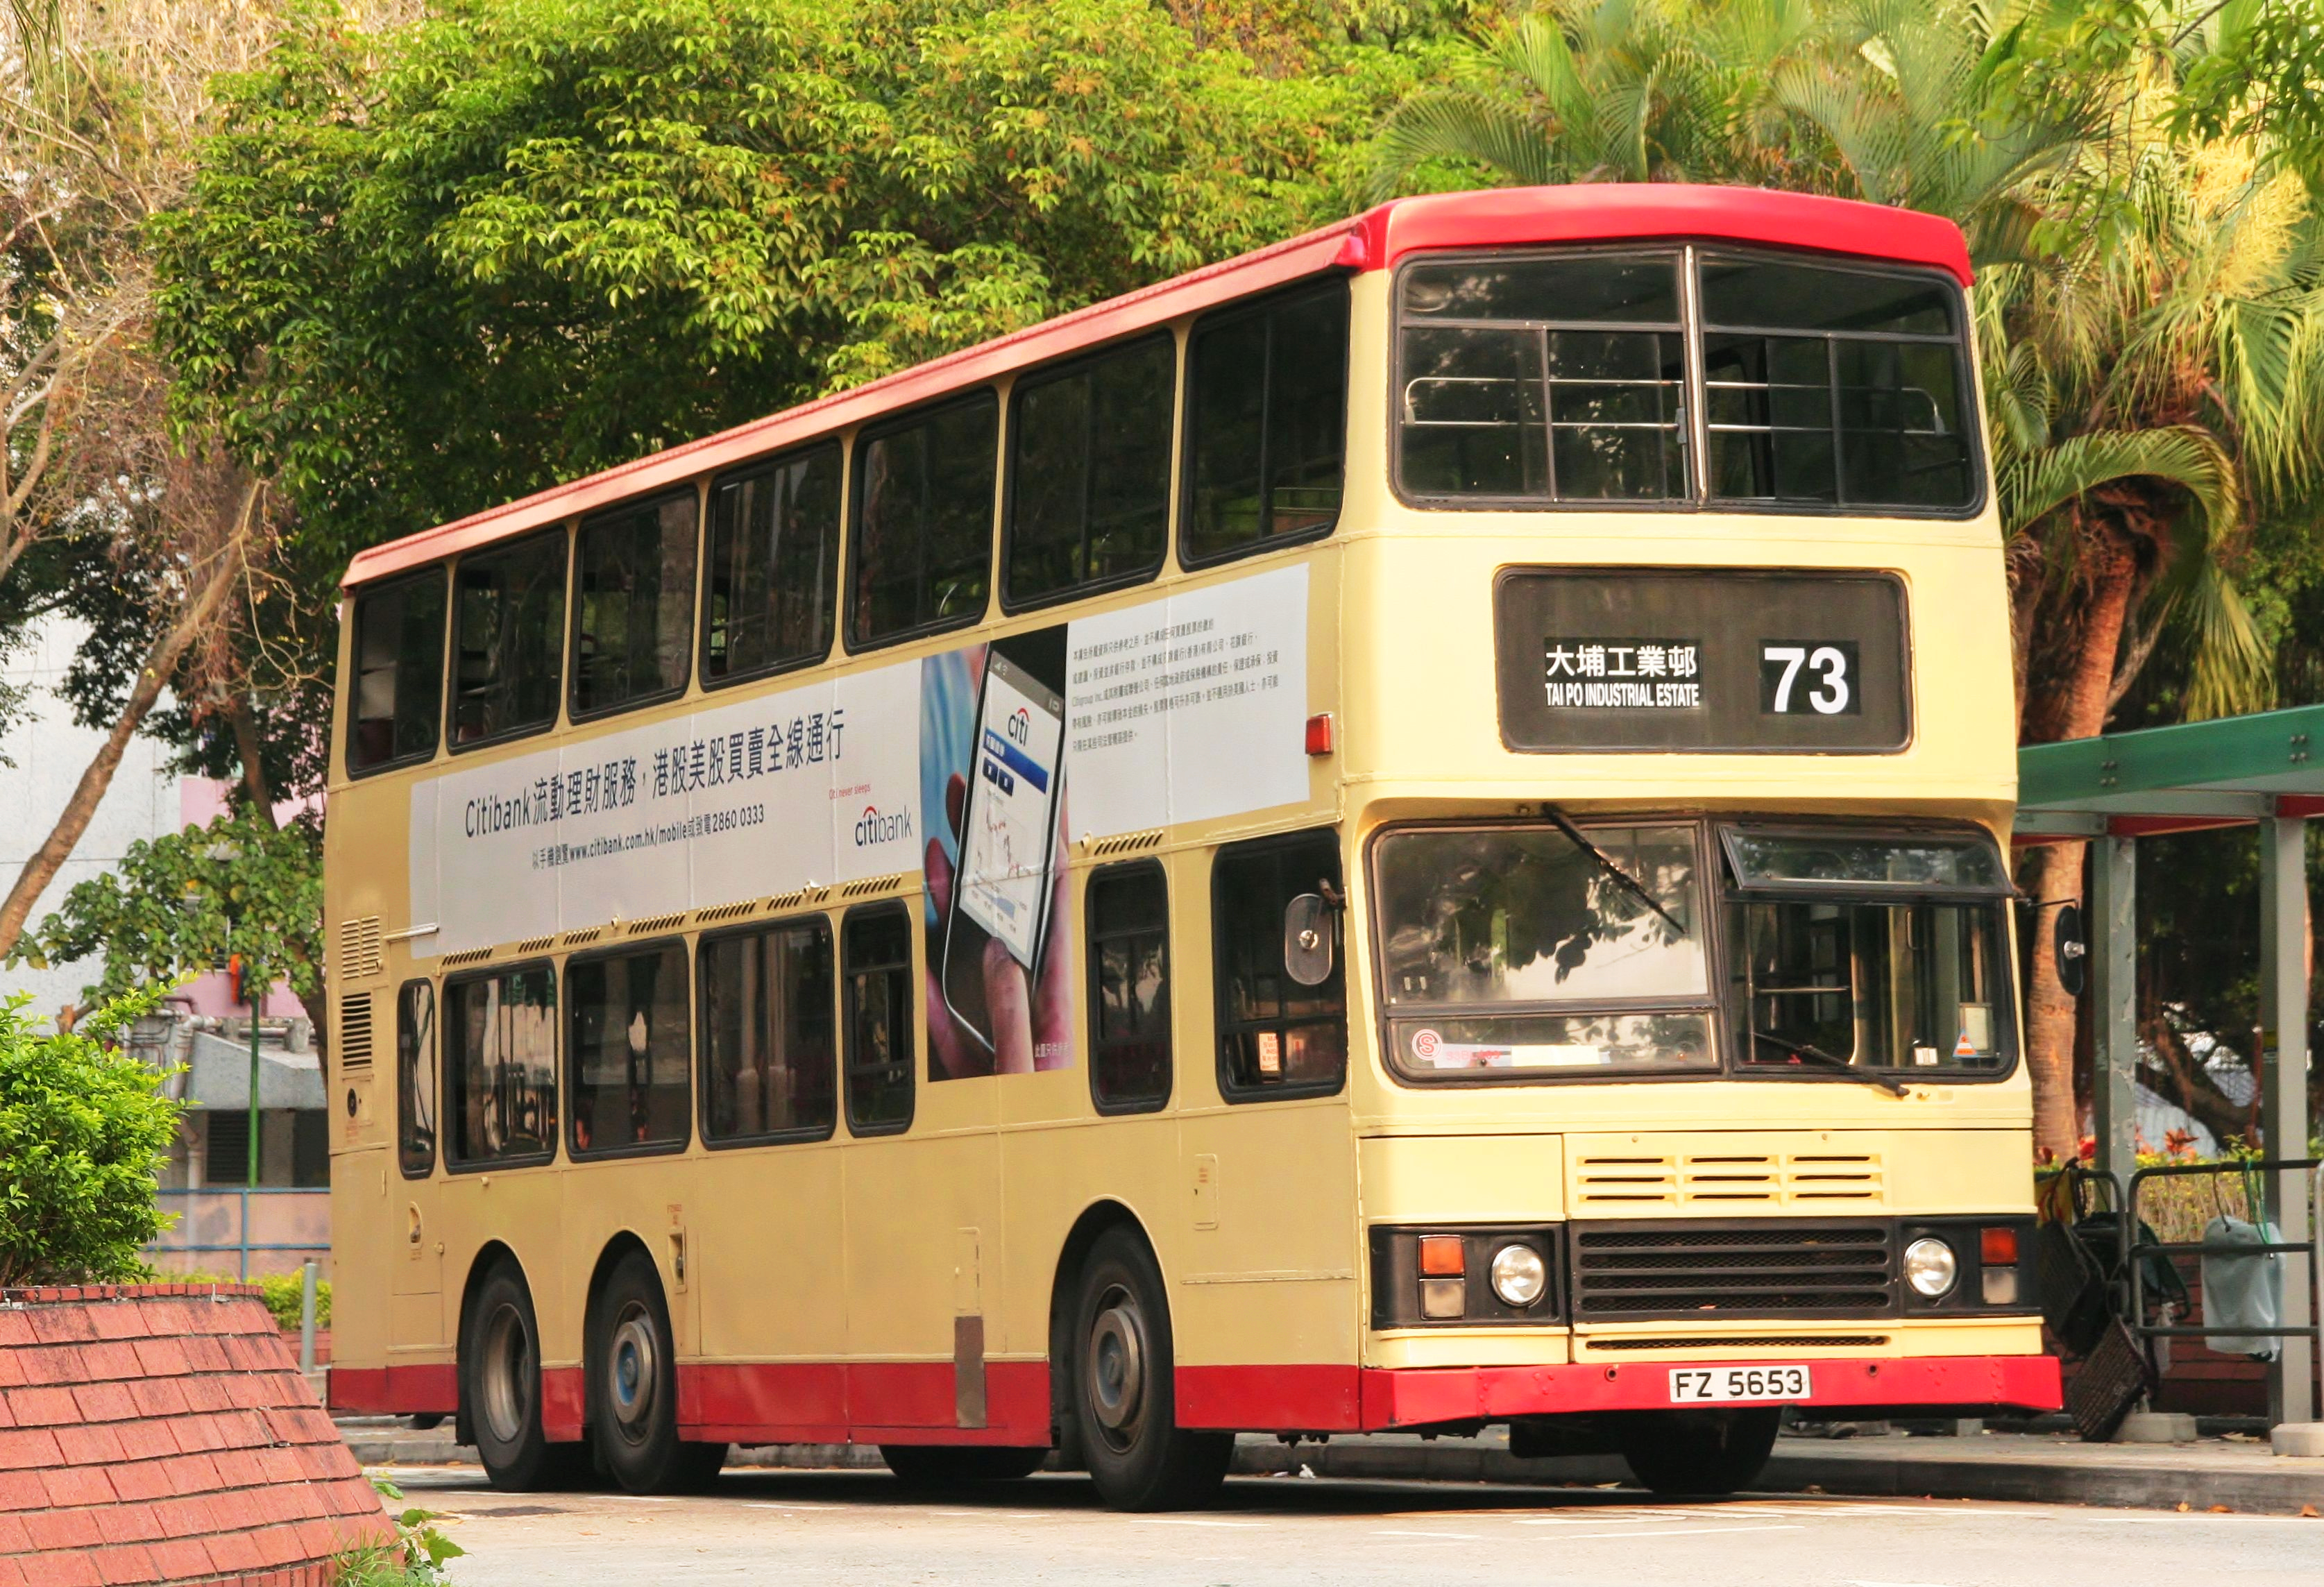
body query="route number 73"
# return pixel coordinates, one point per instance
(1800, 676)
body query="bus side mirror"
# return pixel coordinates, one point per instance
(2073, 952)
(1307, 939)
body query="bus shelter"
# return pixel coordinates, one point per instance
(2261, 770)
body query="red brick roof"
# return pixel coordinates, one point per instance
(162, 1433)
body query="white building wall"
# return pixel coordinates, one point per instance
(51, 751)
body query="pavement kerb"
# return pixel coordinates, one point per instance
(2244, 1480)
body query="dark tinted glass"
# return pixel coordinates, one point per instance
(768, 1057)
(1089, 472)
(630, 1052)
(924, 523)
(1514, 383)
(774, 545)
(877, 944)
(399, 672)
(1835, 387)
(634, 603)
(415, 1079)
(1129, 987)
(500, 1068)
(1275, 1035)
(510, 631)
(1266, 413)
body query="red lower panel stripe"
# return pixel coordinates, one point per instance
(400, 1391)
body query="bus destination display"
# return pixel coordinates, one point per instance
(1648, 660)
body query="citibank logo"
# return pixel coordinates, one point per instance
(873, 827)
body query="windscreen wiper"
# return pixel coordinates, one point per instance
(1803, 1049)
(1622, 877)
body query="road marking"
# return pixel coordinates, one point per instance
(1441, 1537)
(1666, 1531)
(1188, 1521)
(772, 1504)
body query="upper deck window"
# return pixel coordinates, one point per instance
(1089, 472)
(399, 666)
(509, 628)
(1558, 379)
(1267, 402)
(1580, 376)
(1845, 387)
(923, 545)
(632, 604)
(774, 546)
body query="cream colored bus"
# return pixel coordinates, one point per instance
(1401, 833)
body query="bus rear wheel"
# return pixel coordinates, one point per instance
(1700, 1452)
(633, 1388)
(1124, 1405)
(500, 1385)
(952, 1465)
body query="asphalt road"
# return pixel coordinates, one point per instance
(856, 1528)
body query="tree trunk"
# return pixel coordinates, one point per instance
(246, 746)
(160, 661)
(2081, 714)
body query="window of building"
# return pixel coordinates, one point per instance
(1556, 378)
(923, 547)
(398, 696)
(629, 1051)
(310, 1149)
(634, 603)
(1089, 472)
(1835, 387)
(876, 943)
(415, 1079)
(226, 1149)
(769, 1052)
(1267, 407)
(1276, 1037)
(500, 1068)
(509, 625)
(774, 548)
(1129, 987)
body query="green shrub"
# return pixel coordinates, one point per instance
(280, 1292)
(83, 1129)
(415, 1559)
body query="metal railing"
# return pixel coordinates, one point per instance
(242, 1244)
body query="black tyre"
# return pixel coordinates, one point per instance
(632, 1365)
(954, 1465)
(1123, 1404)
(500, 1385)
(1700, 1452)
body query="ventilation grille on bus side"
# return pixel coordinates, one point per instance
(1763, 1270)
(359, 948)
(355, 1030)
(871, 884)
(654, 923)
(1128, 843)
(467, 956)
(723, 912)
(1711, 1179)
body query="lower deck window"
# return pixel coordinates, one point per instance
(1879, 987)
(766, 1035)
(629, 1051)
(500, 1068)
(876, 944)
(1276, 1037)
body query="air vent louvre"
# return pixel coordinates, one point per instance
(472, 956)
(536, 944)
(873, 884)
(1127, 843)
(355, 1030)
(798, 897)
(723, 912)
(574, 939)
(359, 948)
(1678, 1179)
(654, 923)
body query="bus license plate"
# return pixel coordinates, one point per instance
(1690, 1385)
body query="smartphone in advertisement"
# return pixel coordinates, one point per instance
(1003, 882)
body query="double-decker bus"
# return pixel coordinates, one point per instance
(1399, 833)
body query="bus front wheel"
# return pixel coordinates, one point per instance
(500, 1383)
(633, 1388)
(1124, 1406)
(1700, 1452)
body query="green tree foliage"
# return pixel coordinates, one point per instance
(178, 904)
(424, 271)
(83, 1128)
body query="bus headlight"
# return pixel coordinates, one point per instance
(1519, 1276)
(1930, 1267)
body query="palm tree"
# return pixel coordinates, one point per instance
(2148, 307)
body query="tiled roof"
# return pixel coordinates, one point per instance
(162, 1434)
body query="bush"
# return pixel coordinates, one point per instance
(83, 1129)
(281, 1292)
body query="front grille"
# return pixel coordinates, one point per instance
(1757, 1269)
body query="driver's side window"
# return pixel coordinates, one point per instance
(1276, 1037)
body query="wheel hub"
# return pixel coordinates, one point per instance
(634, 1376)
(1117, 1365)
(506, 1375)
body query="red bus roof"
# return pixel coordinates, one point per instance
(1374, 240)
